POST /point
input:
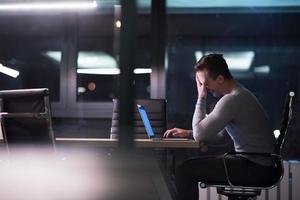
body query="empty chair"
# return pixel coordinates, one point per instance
(156, 110)
(26, 117)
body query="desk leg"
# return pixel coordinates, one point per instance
(161, 179)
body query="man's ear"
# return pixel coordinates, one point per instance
(220, 79)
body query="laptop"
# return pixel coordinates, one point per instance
(149, 129)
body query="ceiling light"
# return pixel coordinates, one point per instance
(198, 55)
(81, 90)
(69, 5)
(96, 62)
(232, 3)
(237, 61)
(8, 71)
(88, 59)
(100, 71)
(54, 55)
(142, 71)
(112, 71)
(96, 59)
(265, 69)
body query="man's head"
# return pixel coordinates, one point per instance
(212, 71)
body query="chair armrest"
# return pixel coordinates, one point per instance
(23, 115)
(253, 154)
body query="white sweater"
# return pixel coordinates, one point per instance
(240, 113)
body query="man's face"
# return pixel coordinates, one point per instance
(213, 86)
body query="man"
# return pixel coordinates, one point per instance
(239, 112)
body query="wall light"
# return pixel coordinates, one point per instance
(276, 133)
(118, 24)
(70, 5)
(8, 71)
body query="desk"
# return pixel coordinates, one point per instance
(140, 177)
(161, 181)
(140, 143)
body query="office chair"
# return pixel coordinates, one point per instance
(156, 110)
(246, 190)
(26, 117)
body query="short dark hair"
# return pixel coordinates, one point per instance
(215, 64)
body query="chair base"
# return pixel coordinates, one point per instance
(239, 193)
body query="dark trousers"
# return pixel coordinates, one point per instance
(210, 170)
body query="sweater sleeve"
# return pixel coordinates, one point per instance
(199, 114)
(207, 127)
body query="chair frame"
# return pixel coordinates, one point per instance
(247, 192)
(39, 115)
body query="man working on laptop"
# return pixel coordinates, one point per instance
(239, 112)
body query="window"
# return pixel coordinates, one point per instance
(35, 62)
(261, 51)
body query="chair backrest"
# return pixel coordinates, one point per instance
(156, 110)
(26, 117)
(287, 117)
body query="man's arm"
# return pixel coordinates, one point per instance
(199, 114)
(207, 128)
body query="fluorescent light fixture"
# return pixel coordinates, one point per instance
(232, 3)
(96, 59)
(96, 62)
(276, 133)
(265, 69)
(61, 5)
(198, 55)
(112, 71)
(54, 55)
(237, 61)
(8, 71)
(87, 59)
(100, 71)
(142, 71)
(81, 90)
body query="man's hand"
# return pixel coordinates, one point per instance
(202, 92)
(178, 132)
(183, 133)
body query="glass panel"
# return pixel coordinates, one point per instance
(97, 77)
(97, 58)
(143, 71)
(97, 70)
(261, 53)
(34, 63)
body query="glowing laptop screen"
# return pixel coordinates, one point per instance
(146, 121)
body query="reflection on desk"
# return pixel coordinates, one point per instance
(141, 143)
(145, 172)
